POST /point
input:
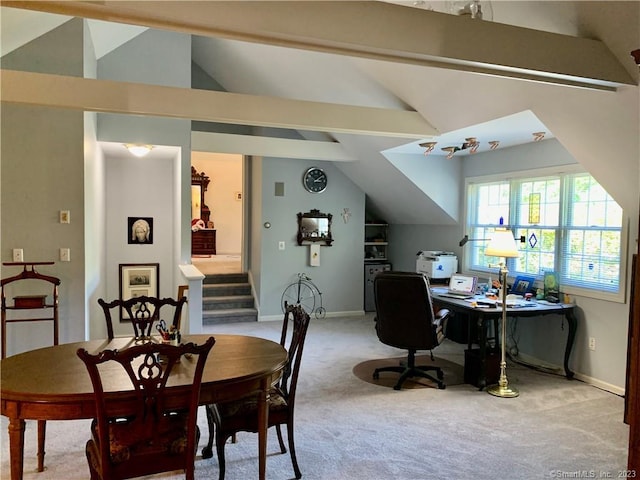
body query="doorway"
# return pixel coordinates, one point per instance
(224, 196)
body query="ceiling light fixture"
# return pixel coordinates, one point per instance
(494, 144)
(138, 149)
(537, 136)
(428, 146)
(470, 143)
(451, 150)
(473, 144)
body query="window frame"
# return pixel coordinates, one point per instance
(565, 170)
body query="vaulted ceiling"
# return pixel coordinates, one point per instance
(451, 70)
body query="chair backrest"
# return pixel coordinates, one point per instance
(293, 342)
(153, 414)
(404, 310)
(143, 312)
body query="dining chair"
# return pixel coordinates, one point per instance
(154, 429)
(405, 319)
(143, 312)
(227, 419)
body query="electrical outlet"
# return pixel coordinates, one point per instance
(280, 245)
(592, 343)
(18, 255)
(65, 254)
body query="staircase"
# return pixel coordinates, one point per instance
(226, 298)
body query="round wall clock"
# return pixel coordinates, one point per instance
(315, 180)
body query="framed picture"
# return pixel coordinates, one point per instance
(138, 279)
(551, 287)
(522, 284)
(140, 230)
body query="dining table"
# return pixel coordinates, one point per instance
(52, 384)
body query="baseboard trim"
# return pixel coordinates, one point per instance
(536, 362)
(353, 313)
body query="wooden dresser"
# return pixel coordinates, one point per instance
(203, 242)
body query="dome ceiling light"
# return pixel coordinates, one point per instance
(137, 149)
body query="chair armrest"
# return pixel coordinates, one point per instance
(440, 324)
(441, 316)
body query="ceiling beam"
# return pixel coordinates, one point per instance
(374, 30)
(268, 146)
(86, 94)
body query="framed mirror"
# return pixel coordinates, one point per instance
(199, 184)
(314, 226)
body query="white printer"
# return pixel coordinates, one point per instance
(436, 264)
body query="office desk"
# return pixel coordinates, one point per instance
(53, 384)
(483, 315)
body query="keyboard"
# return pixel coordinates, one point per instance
(459, 296)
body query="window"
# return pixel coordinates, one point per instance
(569, 223)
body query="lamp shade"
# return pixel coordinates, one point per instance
(502, 244)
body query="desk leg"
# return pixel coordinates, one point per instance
(263, 424)
(482, 332)
(16, 447)
(573, 328)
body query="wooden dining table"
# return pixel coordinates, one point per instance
(52, 384)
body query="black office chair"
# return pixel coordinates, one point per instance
(405, 319)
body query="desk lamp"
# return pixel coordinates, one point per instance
(503, 244)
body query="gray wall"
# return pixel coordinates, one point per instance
(539, 339)
(340, 274)
(42, 173)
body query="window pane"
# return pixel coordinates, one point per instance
(570, 223)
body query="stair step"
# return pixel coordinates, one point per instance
(225, 289)
(226, 278)
(227, 301)
(231, 315)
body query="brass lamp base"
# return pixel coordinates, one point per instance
(505, 391)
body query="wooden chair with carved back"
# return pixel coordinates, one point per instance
(143, 312)
(226, 419)
(154, 429)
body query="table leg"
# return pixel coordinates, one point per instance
(573, 328)
(263, 424)
(482, 332)
(16, 446)
(42, 431)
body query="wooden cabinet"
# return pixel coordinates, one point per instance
(203, 242)
(376, 242)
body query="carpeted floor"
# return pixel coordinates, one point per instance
(453, 372)
(351, 428)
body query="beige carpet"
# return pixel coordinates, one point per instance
(453, 373)
(351, 429)
(214, 264)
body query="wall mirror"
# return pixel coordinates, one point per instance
(314, 226)
(199, 184)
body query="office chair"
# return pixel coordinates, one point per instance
(405, 319)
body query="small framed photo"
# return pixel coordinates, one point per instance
(137, 279)
(140, 230)
(522, 284)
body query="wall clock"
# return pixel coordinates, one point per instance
(314, 180)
